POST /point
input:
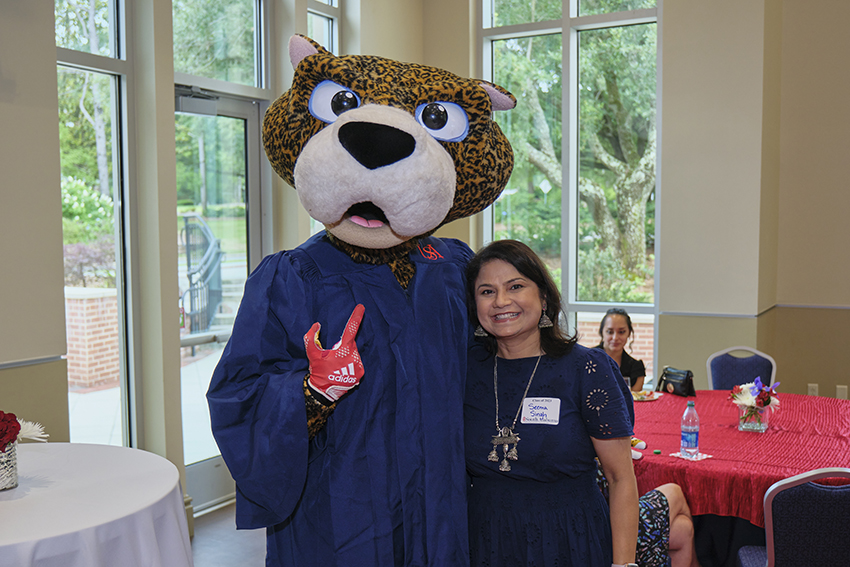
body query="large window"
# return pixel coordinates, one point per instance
(92, 192)
(582, 193)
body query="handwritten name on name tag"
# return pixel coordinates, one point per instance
(545, 411)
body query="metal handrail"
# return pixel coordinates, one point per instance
(205, 289)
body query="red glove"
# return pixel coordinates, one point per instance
(334, 372)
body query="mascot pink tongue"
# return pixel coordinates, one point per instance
(354, 455)
(367, 223)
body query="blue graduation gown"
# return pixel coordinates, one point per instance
(383, 483)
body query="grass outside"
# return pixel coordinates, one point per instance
(231, 231)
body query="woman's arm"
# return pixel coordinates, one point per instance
(638, 385)
(616, 458)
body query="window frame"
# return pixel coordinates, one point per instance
(332, 12)
(569, 27)
(119, 68)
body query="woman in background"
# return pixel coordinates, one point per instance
(666, 536)
(543, 407)
(616, 330)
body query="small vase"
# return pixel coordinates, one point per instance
(753, 418)
(9, 467)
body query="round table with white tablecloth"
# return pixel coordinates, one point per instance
(80, 505)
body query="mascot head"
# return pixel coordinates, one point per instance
(383, 152)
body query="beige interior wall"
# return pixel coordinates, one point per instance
(814, 240)
(32, 312)
(392, 29)
(789, 217)
(32, 326)
(810, 346)
(812, 322)
(686, 342)
(38, 393)
(712, 81)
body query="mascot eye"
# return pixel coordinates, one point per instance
(446, 121)
(330, 99)
(342, 101)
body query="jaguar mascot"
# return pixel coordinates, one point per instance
(353, 455)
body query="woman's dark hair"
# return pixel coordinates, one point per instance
(553, 340)
(618, 311)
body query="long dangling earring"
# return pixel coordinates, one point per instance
(545, 322)
(480, 332)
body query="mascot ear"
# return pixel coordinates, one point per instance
(499, 97)
(300, 46)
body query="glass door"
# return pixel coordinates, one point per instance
(217, 143)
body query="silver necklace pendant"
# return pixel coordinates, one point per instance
(505, 438)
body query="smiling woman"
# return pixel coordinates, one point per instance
(565, 403)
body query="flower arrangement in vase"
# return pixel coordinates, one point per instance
(12, 430)
(755, 402)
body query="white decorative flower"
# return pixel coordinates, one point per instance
(32, 430)
(745, 398)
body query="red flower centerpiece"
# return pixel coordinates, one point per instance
(12, 429)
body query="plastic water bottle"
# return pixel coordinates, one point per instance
(690, 432)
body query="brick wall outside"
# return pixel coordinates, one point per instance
(644, 336)
(91, 326)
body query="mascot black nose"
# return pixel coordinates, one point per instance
(375, 145)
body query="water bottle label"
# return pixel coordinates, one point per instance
(690, 439)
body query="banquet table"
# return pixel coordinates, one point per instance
(95, 506)
(804, 433)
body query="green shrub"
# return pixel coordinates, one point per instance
(87, 214)
(534, 220)
(229, 210)
(602, 278)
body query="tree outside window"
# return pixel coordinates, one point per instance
(216, 39)
(615, 177)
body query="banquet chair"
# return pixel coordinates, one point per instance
(805, 523)
(726, 370)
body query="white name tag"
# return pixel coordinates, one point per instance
(546, 411)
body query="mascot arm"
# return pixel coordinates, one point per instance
(257, 398)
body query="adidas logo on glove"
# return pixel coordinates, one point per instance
(344, 375)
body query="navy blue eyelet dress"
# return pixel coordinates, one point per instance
(547, 510)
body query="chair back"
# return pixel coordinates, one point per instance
(806, 523)
(725, 370)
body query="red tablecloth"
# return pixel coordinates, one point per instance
(805, 433)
